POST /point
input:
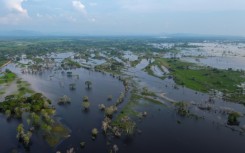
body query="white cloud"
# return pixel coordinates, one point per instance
(79, 6)
(182, 5)
(16, 6)
(12, 12)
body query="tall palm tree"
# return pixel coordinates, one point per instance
(88, 83)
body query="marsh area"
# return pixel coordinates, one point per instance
(123, 95)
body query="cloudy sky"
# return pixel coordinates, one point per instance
(124, 17)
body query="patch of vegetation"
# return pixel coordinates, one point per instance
(159, 63)
(7, 77)
(88, 84)
(40, 115)
(128, 108)
(94, 132)
(85, 103)
(23, 136)
(111, 66)
(182, 108)
(146, 92)
(135, 62)
(64, 100)
(233, 118)
(23, 88)
(17, 105)
(68, 63)
(204, 79)
(56, 134)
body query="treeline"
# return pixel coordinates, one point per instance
(42, 46)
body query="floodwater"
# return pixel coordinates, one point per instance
(162, 130)
(72, 116)
(220, 62)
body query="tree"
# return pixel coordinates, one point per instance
(85, 98)
(8, 113)
(109, 111)
(69, 74)
(86, 105)
(64, 100)
(109, 98)
(21, 135)
(232, 118)
(115, 148)
(106, 124)
(35, 119)
(128, 125)
(72, 86)
(88, 83)
(20, 131)
(102, 107)
(94, 133)
(26, 139)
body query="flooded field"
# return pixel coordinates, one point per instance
(164, 114)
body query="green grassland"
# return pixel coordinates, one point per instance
(204, 79)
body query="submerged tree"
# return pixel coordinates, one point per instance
(128, 125)
(106, 124)
(64, 100)
(94, 133)
(27, 138)
(115, 148)
(88, 83)
(85, 103)
(233, 118)
(8, 113)
(85, 98)
(22, 136)
(102, 107)
(20, 131)
(109, 111)
(72, 86)
(109, 98)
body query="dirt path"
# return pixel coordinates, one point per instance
(162, 95)
(6, 64)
